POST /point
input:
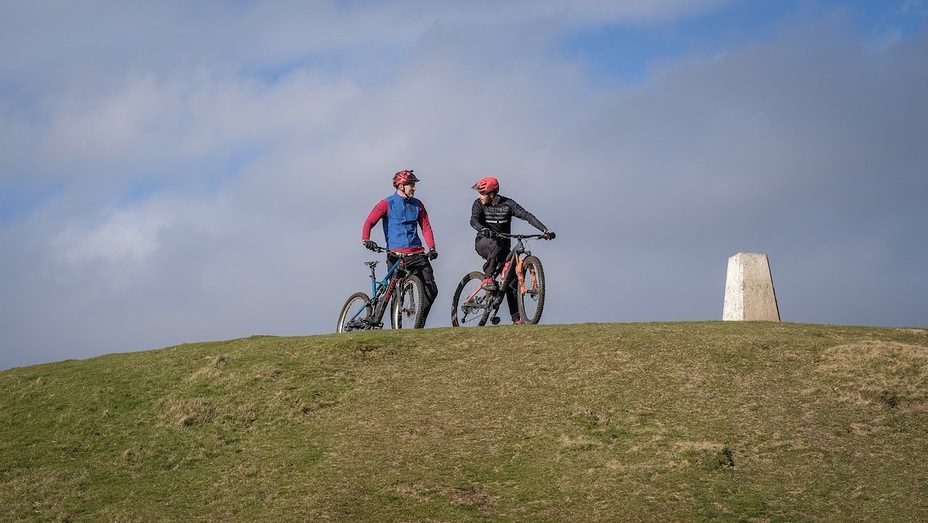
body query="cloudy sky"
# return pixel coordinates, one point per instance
(176, 172)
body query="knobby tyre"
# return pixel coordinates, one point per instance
(532, 301)
(356, 314)
(470, 303)
(408, 303)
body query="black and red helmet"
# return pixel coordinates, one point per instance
(486, 185)
(404, 177)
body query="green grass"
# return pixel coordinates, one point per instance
(714, 421)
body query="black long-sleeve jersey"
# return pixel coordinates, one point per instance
(498, 217)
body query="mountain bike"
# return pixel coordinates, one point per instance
(473, 305)
(399, 289)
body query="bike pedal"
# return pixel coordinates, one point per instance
(495, 320)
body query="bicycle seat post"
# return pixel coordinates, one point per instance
(372, 265)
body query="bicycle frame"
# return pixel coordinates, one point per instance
(382, 290)
(515, 254)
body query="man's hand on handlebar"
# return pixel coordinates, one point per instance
(548, 235)
(370, 245)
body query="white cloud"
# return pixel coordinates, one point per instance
(131, 235)
(47, 35)
(125, 237)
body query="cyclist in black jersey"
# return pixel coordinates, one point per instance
(492, 213)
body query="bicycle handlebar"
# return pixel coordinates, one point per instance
(519, 236)
(398, 254)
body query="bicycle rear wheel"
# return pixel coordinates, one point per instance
(356, 313)
(406, 311)
(470, 304)
(532, 301)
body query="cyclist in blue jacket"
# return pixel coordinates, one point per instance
(403, 215)
(492, 213)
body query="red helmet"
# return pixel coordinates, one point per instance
(404, 177)
(486, 185)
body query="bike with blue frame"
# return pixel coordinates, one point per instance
(399, 290)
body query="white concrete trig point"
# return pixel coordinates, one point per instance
(749, 294)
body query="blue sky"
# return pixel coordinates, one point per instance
(732, 25)
(174, 173)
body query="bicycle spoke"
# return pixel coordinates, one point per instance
(356, 313)
(470, 302)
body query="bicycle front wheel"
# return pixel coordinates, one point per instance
(470, 306)
(356, 314)
(532, 299)
(406, 312)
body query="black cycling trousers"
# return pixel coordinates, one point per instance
(494, 251)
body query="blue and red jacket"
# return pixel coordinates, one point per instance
(401, 219)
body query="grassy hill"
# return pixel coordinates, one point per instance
(714, 421)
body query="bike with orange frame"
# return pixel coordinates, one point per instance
(472, 305)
